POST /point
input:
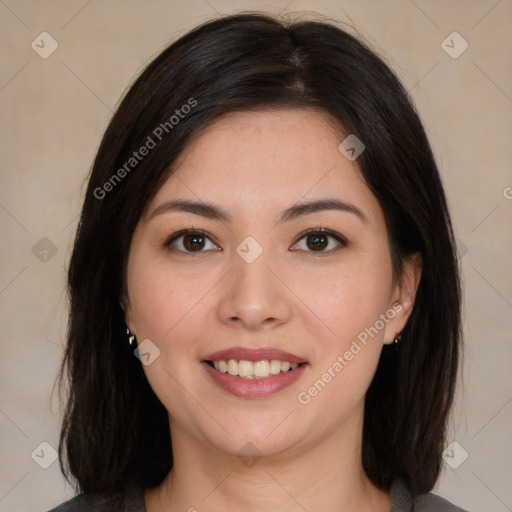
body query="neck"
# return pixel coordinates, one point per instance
(327, 476)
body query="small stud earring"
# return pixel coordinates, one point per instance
(398, 337)
(131, 337)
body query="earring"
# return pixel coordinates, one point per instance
(398, 337)
(131, 337)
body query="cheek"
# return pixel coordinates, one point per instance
(168, 307)
(346, 361)
(163, 300)
(349, 300)
(350, 303)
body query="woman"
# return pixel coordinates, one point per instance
(264, 285)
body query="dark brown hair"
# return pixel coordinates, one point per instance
(115, 431)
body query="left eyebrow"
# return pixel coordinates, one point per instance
(301, 209)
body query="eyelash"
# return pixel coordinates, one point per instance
(324, 231)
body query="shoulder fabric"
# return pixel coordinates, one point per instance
(402, 500)
(133, 501)
(130, 501)
(89, 503)
(432, 503)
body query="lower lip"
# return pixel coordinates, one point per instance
(254, 388)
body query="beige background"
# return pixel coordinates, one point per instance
(54, 111)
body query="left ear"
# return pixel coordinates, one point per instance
(403, 296)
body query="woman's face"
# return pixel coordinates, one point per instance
(256, 280)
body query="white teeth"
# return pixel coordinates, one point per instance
(257, 370)
(276, 366)
(260, 368)
(233, 367)
(245, 369)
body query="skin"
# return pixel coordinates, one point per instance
(311, 303)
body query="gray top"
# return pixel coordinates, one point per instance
(133, 501)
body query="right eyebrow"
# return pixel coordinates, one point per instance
(199, 208)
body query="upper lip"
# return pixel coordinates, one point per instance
(254, 355)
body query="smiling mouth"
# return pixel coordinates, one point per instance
(253, 370)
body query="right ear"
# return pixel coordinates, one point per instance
(125, 304)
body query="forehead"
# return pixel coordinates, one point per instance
(275, 137)
(267, 159)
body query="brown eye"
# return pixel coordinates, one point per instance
(317, 242)
(188, 241)
(193, 242)
(321, 241)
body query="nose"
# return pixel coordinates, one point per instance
(253, 296)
